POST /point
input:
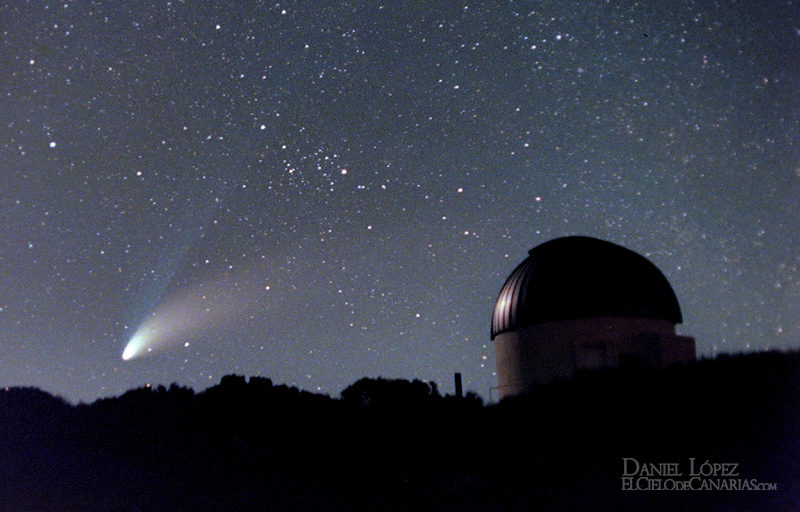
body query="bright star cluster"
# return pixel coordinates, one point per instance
(321, 192)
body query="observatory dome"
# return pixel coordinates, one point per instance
(579, 277)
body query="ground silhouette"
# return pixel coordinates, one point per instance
(247, 444)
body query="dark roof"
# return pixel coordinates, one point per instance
(581, 277)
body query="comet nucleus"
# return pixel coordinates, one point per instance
(133, 347)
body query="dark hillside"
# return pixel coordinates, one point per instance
(397, 445)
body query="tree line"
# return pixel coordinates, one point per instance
(392, 444)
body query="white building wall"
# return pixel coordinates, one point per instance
(543, 352)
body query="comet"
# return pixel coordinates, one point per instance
(206, 305)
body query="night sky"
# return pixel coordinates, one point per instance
(321, 193)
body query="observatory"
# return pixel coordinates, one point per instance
(578, 302)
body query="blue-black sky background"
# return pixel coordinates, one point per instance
(343, 187)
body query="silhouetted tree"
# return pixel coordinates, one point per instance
(390, 393)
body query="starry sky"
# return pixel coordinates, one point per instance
(321, 191)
